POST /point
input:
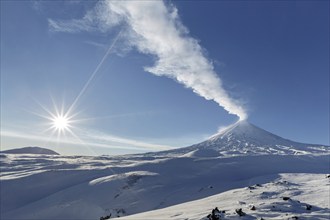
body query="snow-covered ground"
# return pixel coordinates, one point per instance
(57, 187)
(188, 182)
(287, 196)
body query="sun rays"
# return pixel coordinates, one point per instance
(61, 123)
(58, 120)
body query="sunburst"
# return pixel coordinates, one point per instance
(61, 123)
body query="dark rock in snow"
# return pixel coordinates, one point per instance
(216, 214)
(308, 207)
(254, 186)
(285, 198)
(105, 217)
(240, 212)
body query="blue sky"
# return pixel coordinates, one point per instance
(268, 60)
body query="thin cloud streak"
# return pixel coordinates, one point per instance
(155, 29)
(102, 137)
(90, 139)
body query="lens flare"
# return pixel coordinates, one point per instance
(61, 123)
(60, 120)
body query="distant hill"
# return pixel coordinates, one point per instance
(30, 150)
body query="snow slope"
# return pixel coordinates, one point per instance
(307, 198)
(76, 187)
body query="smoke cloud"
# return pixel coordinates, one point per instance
(154, 28)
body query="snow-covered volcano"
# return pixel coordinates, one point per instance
(244, 138)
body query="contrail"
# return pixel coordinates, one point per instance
(82, 91)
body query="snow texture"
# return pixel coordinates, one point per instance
(304, 197)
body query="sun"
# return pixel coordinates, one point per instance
(61, 123)
(61, 120)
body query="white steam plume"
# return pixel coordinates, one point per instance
(155, 28)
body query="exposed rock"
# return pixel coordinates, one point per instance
(240, 212)
(285, 198)
(308, 207)
(216, 214)
(105, 217)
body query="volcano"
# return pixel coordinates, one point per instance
(244, 138)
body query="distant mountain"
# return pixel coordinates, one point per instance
(30, 150)
(244, 138)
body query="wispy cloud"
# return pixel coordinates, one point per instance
(73, 26)
(154, 28)
(100, 18)
(97, 44)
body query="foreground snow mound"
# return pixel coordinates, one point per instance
(244, 138)
(130, 177)
(288, 196)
